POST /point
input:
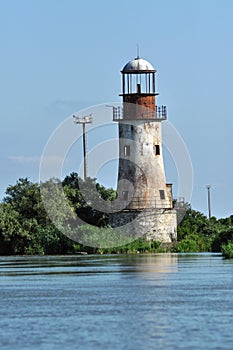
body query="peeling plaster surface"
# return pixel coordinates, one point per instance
(141, 165)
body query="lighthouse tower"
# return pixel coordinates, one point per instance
(142, 184)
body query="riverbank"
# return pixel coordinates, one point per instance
(26, 228)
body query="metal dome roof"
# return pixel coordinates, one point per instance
(138, 64)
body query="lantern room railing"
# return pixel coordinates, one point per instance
(159, 114)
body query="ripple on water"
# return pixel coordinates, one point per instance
(156, 301)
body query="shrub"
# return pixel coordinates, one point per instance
(227, 250)
(193, 243)
(223, 237)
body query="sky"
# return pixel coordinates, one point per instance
(62, 56)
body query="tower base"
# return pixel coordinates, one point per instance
(154, 224)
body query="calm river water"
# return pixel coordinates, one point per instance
(157, 301)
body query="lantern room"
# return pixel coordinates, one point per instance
(138, 77)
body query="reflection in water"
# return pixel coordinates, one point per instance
(146, 264)
(157, 301)
(153, 266)
(150, 293)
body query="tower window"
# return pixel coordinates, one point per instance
(127, 151)
(157, 150)
(162, 194)
(125, 195)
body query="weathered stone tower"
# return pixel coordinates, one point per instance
(142, 186)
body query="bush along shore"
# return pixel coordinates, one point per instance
(25, 227)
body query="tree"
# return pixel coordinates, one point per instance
(86, 197)
(13, 235)
(25, 198)
(223, 237)
(25, 227)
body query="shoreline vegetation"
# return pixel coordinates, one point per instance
(26, 229)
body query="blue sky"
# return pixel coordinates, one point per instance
(58, 57)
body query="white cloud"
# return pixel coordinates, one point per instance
(25, 159)
(50, 160)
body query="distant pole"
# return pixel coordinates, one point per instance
(84, 152)
(208, 200)
(84, 120)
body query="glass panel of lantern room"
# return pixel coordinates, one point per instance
(143, 82)
(134, 83)
(153, 82)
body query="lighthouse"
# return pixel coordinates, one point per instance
(142, 187)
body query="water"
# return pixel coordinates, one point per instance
(157, 301)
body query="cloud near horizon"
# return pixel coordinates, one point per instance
(25, 159)
(53, 159)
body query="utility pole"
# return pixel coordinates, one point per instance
(208, 200)
(84, 120)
